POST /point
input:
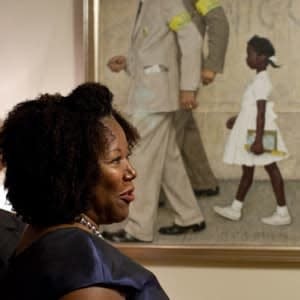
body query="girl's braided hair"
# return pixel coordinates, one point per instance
(263, 46)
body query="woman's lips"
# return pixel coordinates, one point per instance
(128, 196)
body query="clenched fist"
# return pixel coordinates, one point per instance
(117, 63)
(207, 76)
(188, 100)
(230, 122)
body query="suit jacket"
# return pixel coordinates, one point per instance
(161, 61)
(215, 24)
(11, 229)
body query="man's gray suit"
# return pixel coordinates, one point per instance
(161, 63)
(214, 24)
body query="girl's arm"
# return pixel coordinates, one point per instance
(230, 122)
(257, 147)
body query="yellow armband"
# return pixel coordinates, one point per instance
(178, 21)
(205, 6)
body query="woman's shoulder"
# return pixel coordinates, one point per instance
(77, 247)
(77, 250)
(98, 263)
(70, 259)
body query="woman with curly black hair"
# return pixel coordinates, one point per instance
(67, 172)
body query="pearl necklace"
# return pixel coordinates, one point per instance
(84, 220)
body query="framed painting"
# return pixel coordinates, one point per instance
(107, 30)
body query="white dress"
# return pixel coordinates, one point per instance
(235, 152)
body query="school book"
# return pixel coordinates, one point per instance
(269, 141)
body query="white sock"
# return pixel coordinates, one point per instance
(236, 204)
(282, 210)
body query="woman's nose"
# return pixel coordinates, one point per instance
(130, 172)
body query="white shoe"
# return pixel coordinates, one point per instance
(228, 212)
(277, 219)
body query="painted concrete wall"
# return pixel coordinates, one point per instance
(275, 19)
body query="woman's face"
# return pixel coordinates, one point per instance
(114, 191)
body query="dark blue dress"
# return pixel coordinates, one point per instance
(69, 259)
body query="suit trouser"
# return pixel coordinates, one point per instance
(159, 165)
(193, 152)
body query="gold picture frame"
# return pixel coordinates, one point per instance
(161, 254)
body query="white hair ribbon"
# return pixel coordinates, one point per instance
(273, 59)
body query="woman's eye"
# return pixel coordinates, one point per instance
(116, 160)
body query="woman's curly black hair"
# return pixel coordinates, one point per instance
(51, 146)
